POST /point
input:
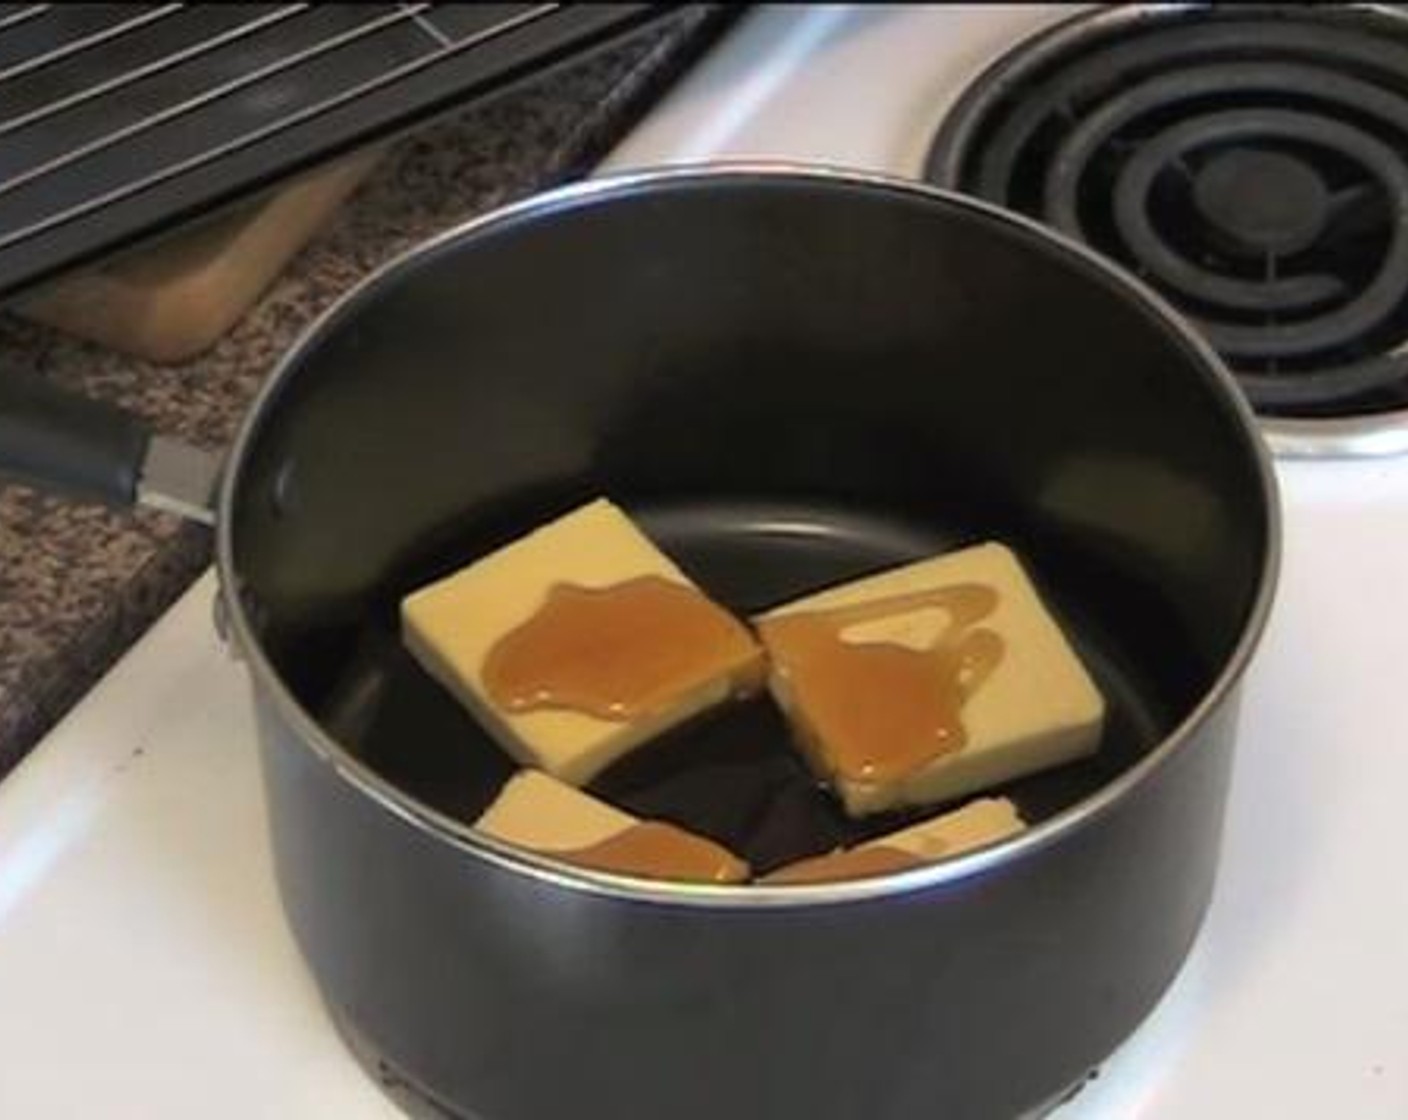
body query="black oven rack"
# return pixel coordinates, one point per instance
(117, 120)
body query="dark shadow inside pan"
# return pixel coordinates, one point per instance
(732, 774)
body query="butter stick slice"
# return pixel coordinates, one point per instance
(979, 822)
(946, 677)
(454, 627)
(538, 812)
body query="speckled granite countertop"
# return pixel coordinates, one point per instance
(78, 584)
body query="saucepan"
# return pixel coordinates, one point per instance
(789, 376)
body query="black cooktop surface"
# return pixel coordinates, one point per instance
(1249, 162)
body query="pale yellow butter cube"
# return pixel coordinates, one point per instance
(980, 822)
(538, 812)
(452, 625)
(1037, 706)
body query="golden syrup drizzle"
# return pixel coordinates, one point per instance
(656, 850)
(615, 653)
(879, 709)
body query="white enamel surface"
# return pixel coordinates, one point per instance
(838, 84)
(145, 971)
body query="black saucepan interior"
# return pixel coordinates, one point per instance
(790, 380)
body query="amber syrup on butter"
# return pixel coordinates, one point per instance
(732, 775)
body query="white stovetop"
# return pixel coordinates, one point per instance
(145, 971)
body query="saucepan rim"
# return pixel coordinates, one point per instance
(629, 888)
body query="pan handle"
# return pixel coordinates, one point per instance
(57, 440)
